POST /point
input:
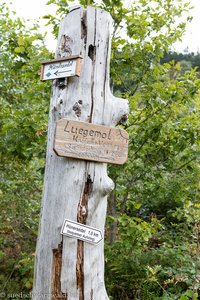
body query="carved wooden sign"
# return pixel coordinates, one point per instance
(91, 142)
(61, 67)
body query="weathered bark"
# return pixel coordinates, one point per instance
(67, 268)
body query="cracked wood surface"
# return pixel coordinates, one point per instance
(75, 189)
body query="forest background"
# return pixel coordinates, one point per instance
(152, 247)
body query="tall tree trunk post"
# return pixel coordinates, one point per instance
(67, 268)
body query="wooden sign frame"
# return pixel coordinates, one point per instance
(74, 58)
(92, 142)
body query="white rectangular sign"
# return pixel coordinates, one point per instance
(81, 232)
(60, 68)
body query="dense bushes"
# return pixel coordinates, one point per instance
(153, 232)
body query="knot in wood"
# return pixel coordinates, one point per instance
(123, 120)
(83, 210)
(77, 109)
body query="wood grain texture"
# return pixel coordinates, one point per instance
(76, 189)
(91, 142)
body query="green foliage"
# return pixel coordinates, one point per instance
(163, 264)
(159, 181)
(187, 60)
(21, 186)
(153, 247)
(24, 103)
(24, 99)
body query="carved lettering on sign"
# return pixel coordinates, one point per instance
(91, 142)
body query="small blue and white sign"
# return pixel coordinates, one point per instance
(61, 68)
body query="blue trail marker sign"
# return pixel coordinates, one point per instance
(61, 68)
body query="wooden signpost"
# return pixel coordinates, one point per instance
(82, 137)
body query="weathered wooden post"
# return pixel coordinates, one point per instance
(83, 114)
